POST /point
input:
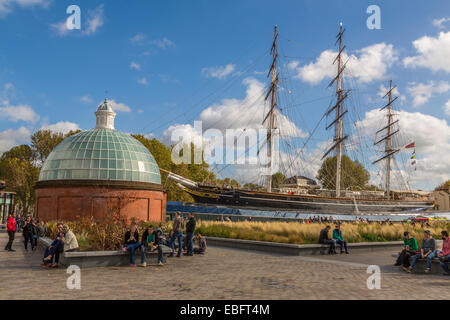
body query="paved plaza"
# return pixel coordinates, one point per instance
(220, 274)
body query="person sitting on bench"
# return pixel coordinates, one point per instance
(323, 239)
(444, 257)
(131, 242)
(428, 247)
(337, 236)
(409, 249)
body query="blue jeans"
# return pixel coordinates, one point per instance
(444, 265)
(343, 244)
(419, 255)
(175, 236)
(131, 248)
(143, 255)
(190, 242)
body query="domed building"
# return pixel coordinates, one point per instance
(100, 172)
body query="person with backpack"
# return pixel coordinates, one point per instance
(190, 228)
(178, 226)
(11, 228)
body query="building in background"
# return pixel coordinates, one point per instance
(6, 202)
(442, 199)
(99, 173)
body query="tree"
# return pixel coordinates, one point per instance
(18, 169)
(277, 179)
(444, 185)
(44, 141)
(353, 174)
(252, 186)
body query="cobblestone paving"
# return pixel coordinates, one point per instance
(220, 274)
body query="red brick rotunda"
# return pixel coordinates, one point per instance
(99, 172)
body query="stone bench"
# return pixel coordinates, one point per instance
(421, 265)
(296, 249)
(89, 259)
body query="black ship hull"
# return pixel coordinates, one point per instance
(278, 201)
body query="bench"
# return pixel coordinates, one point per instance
(421, 265)
(90, 259)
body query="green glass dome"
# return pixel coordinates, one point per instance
(101, 154)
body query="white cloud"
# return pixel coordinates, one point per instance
(119, 107)
(138, 38)
(163, 43)
(134, 65)
(7, 6)
(440, 23)
(371, 64)
(432, 52)
(61, 126)
(447, 108)
(19, 113)
(87, 99)
(218, 72)
(422, 92)
(432, 139)
(143, 81)
(395, 93)
(228, 114)
(10, 138)
(95, 19)
(142, 39)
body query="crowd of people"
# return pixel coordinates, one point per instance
(31, 230)
(152, 239)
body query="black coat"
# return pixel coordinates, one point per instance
(29, 229)
(128, 235)
(190, 225)
(323, 235)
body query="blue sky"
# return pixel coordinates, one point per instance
(163, 63)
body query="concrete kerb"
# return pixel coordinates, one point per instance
(89, 259)
(296, 249)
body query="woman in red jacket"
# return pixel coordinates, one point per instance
(11, 229)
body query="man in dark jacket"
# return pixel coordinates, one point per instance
(28, 233)
(11, 228)
(324, 239)
(159, 239)
(190, 228)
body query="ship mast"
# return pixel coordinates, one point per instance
(388, 150)
(270, 116)
(338, 125)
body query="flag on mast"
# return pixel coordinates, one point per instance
(411, 145)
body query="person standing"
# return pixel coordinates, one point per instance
(28, 233)
(324, 239)
(190, 228)
(178, 226)
(337, 236)
(410, 248)
(426, 252)
(11, 228)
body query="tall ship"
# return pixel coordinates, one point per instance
(300, 193)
